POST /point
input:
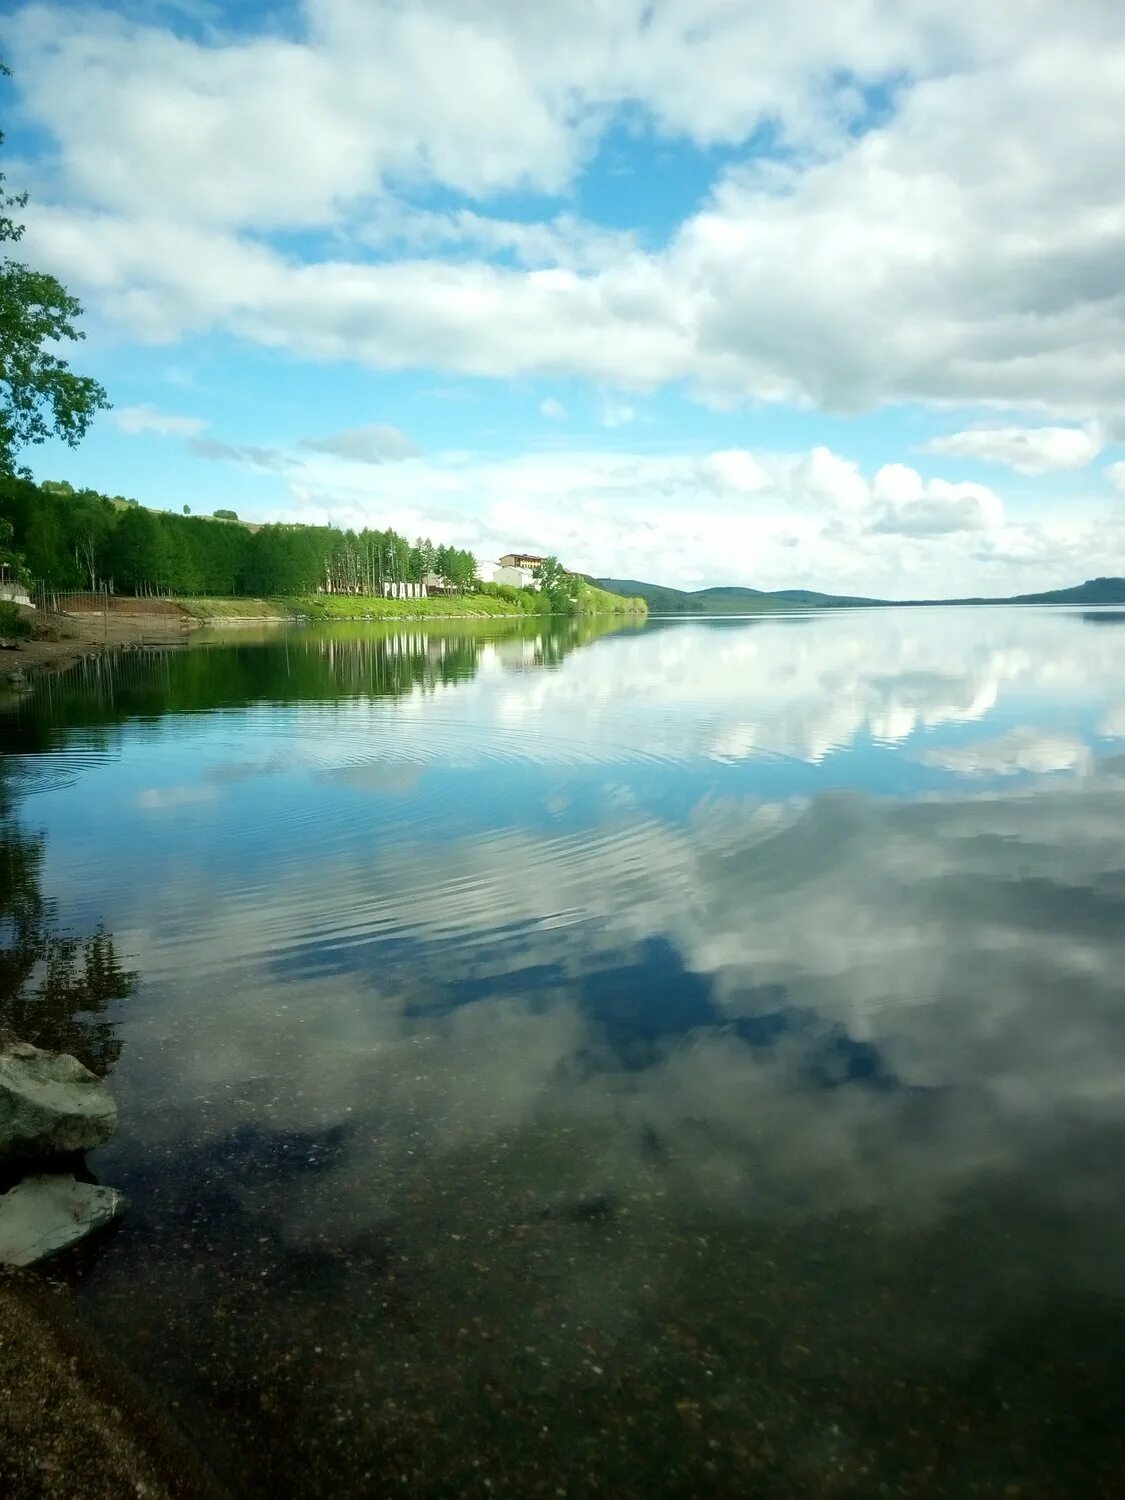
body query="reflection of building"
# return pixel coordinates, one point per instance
(10, 586)
(518, 653)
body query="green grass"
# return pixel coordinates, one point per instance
(445, 606)
(356, 607)
(596, 601)
(237, 609)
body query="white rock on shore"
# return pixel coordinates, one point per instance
(50, 1104)
(43, 1215)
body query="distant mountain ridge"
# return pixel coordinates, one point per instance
(662, 600)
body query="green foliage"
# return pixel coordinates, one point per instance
(40, 396)
(594, 601)
(558, 587)
(14, 623)
(225, 515)
(78, 539)
(525, 601)
(355, 607)
(54, 989)
(12, 559)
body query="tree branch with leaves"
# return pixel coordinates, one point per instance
(40, 395)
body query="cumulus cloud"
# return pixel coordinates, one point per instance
(566, 240)
(762, 519)
(378, 443)
(1028, 450)
(824, 480)
(974, 239)
(553, 410)
(145, 418)
(911, 506)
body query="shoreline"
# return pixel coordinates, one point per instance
(70, 639)
(164, 624)
(72, 1418)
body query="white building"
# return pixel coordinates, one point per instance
(504, 572)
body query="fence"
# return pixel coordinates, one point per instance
(71, 601)
(122, 617)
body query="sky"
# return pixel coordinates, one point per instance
(690, 291)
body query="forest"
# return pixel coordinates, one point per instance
(80, 539)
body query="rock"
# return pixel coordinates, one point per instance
(582, 1211)
(50, 1104)
(43, 1215)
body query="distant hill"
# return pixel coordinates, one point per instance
(725, 601)
(742, 601)
(1093, 591)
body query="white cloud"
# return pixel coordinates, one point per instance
(140, 419)
(734, 516)
(616, 413)
(377, 443)
(966, 248)
(824, 480)
(553, 410)
(1116, 474)
(1026, 749)
(564, 241)
(1028, 450)
(915, 507)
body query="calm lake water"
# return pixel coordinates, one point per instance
(686, 1060)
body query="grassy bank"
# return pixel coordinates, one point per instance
(447, 606)
(595, 601)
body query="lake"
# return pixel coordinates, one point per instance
(684, 1059)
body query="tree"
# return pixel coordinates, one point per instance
(225, 515)
(9, 557)
(89, 520)
(142, 561)
(555, 585)
(187, 510)
(44, 546)
(40, 396)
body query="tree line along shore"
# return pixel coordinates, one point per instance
(218, 568)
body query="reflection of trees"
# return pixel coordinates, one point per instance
(290, 666)
(54, 989)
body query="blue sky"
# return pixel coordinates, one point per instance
(680, 290)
